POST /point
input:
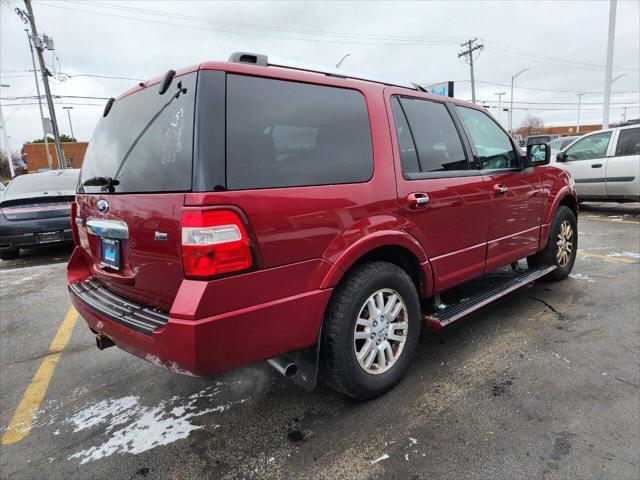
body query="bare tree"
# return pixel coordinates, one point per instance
(531, 124)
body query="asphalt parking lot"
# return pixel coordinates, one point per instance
(542, 384)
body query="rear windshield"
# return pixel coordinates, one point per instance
(146, 141)
(58, 183)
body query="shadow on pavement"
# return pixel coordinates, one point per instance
(30, 257)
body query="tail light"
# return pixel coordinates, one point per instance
(74, 225)
(214, 242)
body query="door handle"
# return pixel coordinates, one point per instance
(596, 165)
(497, 188)
(416, 200)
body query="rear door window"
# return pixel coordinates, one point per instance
(438, 147)
(493, 146)
(285, 134)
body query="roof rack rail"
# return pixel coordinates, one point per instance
(264, 61)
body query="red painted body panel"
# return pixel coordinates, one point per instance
(514, 217)
(305, 239)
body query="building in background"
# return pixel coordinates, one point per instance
(562, 131)
(36, 156)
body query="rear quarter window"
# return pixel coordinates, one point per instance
(284, 134)
(628, 142)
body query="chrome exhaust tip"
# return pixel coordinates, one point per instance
(284, 366)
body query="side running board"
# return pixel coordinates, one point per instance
(448, 314)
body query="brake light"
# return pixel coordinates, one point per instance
(74, 225)
(214, 242)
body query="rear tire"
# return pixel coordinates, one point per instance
(561, 247)
(371, 330)
(9, 254)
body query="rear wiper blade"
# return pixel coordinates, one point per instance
(107, 183)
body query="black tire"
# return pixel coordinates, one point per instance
(341, 370)
(9, 254)
(548, 256)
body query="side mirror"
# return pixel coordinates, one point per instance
(539, 154)
(561, 157)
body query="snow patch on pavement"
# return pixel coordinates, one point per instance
(581, 277)
(134, 428)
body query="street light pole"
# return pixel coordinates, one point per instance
(5, 138)
(511, 107)
(69, 115)
(500, 94)
(609, 68)
(578, 123)
(45, 80)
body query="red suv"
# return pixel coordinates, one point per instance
(245, 210)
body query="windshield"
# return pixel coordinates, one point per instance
(145, 142)
(54, 183)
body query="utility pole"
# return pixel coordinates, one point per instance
(579, 100)
(511, 107)
(69, 115)
(45, 80)
(35, 74)
(609, 68)
(471, 46)
(624, 114)
(500, 94)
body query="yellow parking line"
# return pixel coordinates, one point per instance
(627, 261)
(20, 424)
(600, 219)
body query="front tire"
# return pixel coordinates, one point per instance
(561, 247)
(371, 330)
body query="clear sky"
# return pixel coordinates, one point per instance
(562, 43)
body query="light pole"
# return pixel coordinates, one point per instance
(69, 115)
(609, 66)
(511, 107)
(5, 138)
(342, 60)
(500, 94)
(578, 123)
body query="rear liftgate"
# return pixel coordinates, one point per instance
(500, 283)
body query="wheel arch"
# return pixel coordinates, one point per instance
(565, 197)
(394, 247)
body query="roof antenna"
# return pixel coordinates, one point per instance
(166, 81)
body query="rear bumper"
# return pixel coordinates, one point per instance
(26, 233)
(214, 344)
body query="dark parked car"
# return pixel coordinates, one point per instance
(307, 217)
(537, 139)
(36, 211)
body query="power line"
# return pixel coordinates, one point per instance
(564, 103)
(212, 28)
(541, 89)
(55, 96)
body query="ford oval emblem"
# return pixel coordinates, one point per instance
(102, 206)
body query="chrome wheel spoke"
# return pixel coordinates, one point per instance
(391, 303)
(362, 335)
(382, 360)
